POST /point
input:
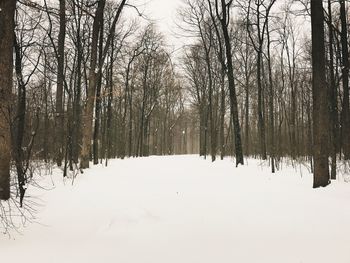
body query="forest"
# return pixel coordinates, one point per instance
(85, 82)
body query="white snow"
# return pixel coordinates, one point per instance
(184, 209)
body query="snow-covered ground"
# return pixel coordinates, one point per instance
(184, 209)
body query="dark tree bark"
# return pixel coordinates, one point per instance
(145, 90)
(261, 122)
(319, 95)
(109, 106)
(246, 100)
(222, 58)
(96, 134)
(332, 97)
(60, 84)
(271, 102)
(76, 130)
(19, 123)
(7, 26)
(89, 107)
(131, 117)
(345, 80)
(222, 117)
(293, 94)
(224, 21)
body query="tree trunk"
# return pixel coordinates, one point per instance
(89, 107)
(261, 122)
(222, 117)
(345, 80)
(18, 131)
(271, 103)
(96, 135)
(76, 129)
(333, 98)
(109, 107)
(7, 26)
(319, 93)
(232, 89)
(60, 83)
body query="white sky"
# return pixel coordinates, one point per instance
(163, 13)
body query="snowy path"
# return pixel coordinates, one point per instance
(187, 210)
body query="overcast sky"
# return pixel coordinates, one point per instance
(163, 13)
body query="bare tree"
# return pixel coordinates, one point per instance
(223, 15)
(7, 25)
(319, 93)
(90, 103)
(60, 83)
(261, 13)
(345, 80)
(95, 74)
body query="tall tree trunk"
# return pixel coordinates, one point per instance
(271, 103)
(319, 93)
(18, 131)
(130, 128)
(109, 106)
(261, 122)
(46, 113)
(95, 71)
(96, 134)
(246, 101)
(332, 97)
(222, 117)
(232, 89)
(90, 100)
(210, 108)
(345, 80)
(126, 106)
(77, 91)
(60, 83)
(7, 26)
